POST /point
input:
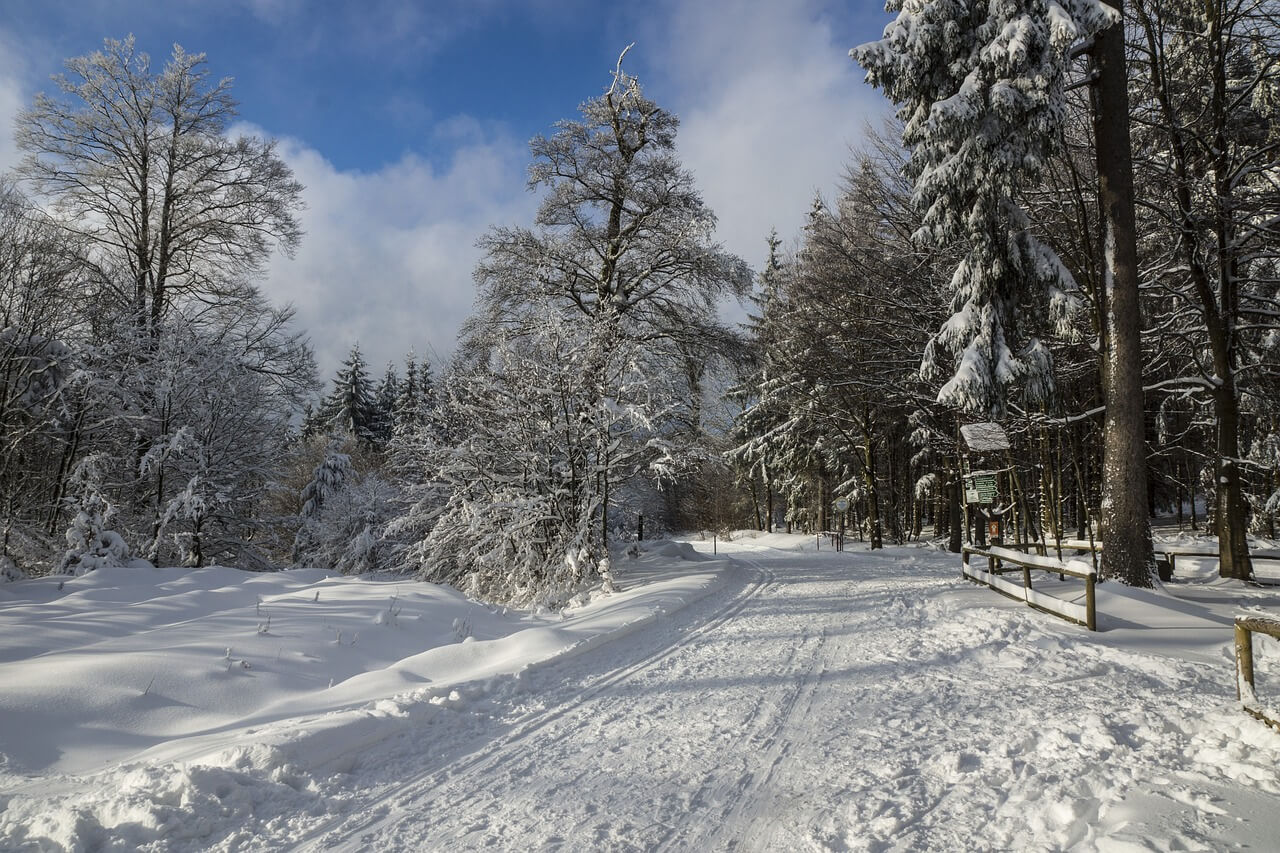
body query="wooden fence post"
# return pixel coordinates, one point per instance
(1244, 659)
(1090, 612)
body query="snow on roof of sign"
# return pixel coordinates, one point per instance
(982, 438)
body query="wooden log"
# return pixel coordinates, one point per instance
(1245, 626)
(1261, 624)
(1244, 656)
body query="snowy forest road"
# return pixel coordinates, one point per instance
(823, 701)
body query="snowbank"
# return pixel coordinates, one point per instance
(171, 685)
(814, 700)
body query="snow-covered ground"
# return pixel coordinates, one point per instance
(785, 699)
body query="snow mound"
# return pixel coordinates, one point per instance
(675, 550)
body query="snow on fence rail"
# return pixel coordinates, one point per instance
(1246, 690)
(1081, 614)
(1266, 564)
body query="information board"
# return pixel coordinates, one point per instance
(980, 487)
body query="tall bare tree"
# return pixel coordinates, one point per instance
(138, 161)
(1208, 73)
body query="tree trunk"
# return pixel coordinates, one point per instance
(1231, 518)
(1191, 486)
(873, 499)
(768, 499)
(1126, 528)
(956, 522)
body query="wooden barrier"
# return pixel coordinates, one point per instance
(1246, 689)
(1169, 554)
(1085, 614)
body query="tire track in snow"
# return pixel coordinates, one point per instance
(841, 703)
(378, 814)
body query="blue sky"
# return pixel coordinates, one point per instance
(408, 122)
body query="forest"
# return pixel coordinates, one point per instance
(155, 405)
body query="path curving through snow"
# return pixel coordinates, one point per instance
(831, 701)
(792, 700)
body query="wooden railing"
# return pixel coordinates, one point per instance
(1246, 689)
(1268, 575)
(997, 558)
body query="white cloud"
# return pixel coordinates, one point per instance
(13, 98)
(11, 101)
(770, 104)
(388, 255)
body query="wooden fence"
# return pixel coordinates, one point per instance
(1246, 689)
(1266, 564)
(998, 560)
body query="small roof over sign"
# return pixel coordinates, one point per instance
(984, 438)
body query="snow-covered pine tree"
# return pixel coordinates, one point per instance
(981, 94)
(351, 408)
(327, 480)
(428, 390)
(759, 415)
(328, 477)
(404, 412)
(384, 400)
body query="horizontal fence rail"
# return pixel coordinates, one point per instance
(1246, 689)
(998, 561)
(1266, 563)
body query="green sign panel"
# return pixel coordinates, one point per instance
(980, 488)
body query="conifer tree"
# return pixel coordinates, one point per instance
(385, 405)
(351, 408)
(404, 412)
(981, 94)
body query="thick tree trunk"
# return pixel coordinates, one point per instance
(1126, 527)
(1233, 546)
(873, 497)
(1231, 517)
(956, 521)
(768, 503)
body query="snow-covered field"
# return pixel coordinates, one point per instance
(783, 699)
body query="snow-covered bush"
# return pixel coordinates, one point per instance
(9, 570)
(538, 452)
(91, 543)
(344, 519)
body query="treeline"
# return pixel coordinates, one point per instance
(155, 406)
(887, 272)
(146, 385)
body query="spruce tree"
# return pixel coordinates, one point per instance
(404, 412)
(980, 91)
(351, 408)
(385, 399)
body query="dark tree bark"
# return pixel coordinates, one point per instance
(1126, 527)
(956, 520)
